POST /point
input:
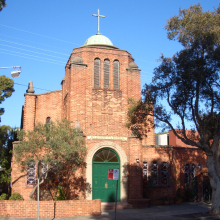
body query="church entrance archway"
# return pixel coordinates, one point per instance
(102, 187)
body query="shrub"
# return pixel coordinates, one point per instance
(61, 194)
(4, 196)
(16, 196)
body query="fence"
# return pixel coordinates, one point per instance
(53, 209)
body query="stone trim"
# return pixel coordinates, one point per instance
(123, 168)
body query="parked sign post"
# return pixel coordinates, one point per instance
(113, 175)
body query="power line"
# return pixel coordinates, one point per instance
(33, 87)
(34, 47)
(33, 42)
(32, 56)
(38, 34)
(31, 51)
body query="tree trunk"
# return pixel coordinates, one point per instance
(213, 165)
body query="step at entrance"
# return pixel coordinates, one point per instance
(111, 205)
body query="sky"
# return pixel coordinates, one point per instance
(40, 35)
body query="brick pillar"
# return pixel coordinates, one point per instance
(135, 179)
(29, 111)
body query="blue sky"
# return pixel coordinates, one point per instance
(40, 35)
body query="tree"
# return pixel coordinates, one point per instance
(7, 137)
(189, 83)
(53, 145)
(2, 4)
(6, 89)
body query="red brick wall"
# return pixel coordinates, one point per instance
(177, 157)
(176, 142)
(53, 209)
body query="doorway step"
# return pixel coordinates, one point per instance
(111, 205)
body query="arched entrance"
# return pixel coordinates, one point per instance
(102, 187)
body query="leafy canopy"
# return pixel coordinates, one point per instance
(55, 143)
(189, 81)
(2, 4)
(6, 89)
(7, 137)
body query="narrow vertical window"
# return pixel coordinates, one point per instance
(186, 173)
(164, 174)
(97, 73)
(106, 73)
(193, 171)
(145, 172)
(154, 173)
(31, 173)
(48, 120)
(116, 74)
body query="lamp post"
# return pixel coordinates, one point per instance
(15, 73)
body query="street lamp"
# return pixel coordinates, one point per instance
(15, 73)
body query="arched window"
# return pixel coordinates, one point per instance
(164, 174)
(106, 73)
(154, 173)
(97, 73)
(106, 155)
(116, 74)
(48, 120)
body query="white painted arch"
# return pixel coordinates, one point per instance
(123, 168)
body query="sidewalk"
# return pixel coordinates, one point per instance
(187, 211)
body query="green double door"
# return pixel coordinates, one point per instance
(102, 187)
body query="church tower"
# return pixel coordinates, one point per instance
(99, 79)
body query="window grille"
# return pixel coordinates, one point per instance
(97, 73)
(154, 173)
(116, 74)
(164, 174)
(186, 173)
(145, 172)
(106, 73)
(52, 176)
(193, 171)
(31, 173)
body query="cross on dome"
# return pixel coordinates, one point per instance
(98, 15)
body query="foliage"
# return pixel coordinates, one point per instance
(189, 82)
(55, 144)
(138, 122)
(2, 4)
(7, 137)
(16, 196)
(61, 195)
(6, 89)
(4, 196)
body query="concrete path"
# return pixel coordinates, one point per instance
(187, 211)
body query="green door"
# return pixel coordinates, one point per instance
(102, 187)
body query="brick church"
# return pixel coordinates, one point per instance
(99, 78)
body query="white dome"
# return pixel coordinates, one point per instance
(98, 39)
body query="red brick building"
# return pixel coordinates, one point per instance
(99, 79)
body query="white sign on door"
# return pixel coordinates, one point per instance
(115, 174)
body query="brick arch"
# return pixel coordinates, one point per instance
(123, 168)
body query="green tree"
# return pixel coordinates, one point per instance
(2, 4)
(7, 137)
(189, 83)
(6, 89)
(53, 145)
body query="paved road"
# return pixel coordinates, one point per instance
(183, 211)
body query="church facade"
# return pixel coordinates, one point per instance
(99, 79)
